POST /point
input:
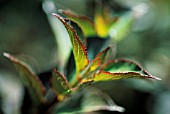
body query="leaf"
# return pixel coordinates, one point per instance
(78, 31)
(29, 79)
(119, 69)
(97, 100)
(103, 21)
(120, 29)
(100, 58)
(85, 23)
(104, 55)
(60, 83)
(88, 100)
(61, 36)
(79, 50)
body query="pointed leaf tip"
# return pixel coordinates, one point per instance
(79, 50)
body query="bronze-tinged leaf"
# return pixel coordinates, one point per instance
(104, 55)
(119, 69)
(60, 83)
(78, 31)
(79, 50)
(84, 22)
(105, 76)
(29, 79)
(100, 58)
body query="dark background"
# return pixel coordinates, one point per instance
(25, 29)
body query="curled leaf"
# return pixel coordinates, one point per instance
(29, 79)
(79, 50)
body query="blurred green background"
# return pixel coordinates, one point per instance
(25, 31)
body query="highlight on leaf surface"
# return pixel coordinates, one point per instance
(96, 100)
(120, 69)
(60, 83)
(29, 79)
(84, 22)
(88, 100)
(79, 50)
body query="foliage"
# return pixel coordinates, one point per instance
(103, 67)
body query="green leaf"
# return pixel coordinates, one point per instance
(119, 69)
(97, 100)
(104, 55)
(61, 36)
(79, 50)
(78, 31)
(120, 29)
(29, 79)
(60, 83)
(103, 21)
(85, 23)
(100, 58)
(88, 100)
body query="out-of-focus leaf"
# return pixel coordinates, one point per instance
(85, 23)
(96, 100)
(61, 37)
(103, 21)
(120, 29)
(29, 79)
(79, 50)
(87, 101)
(60, 83)
(119, 69)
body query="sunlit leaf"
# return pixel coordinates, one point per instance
(119, 69)
(85, 23)
(103, 21)
(78, 31)
(60, 83)
(100, 58)
(79, 50)
(29, 79)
